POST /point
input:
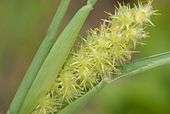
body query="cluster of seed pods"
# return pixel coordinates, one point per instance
(99, 55)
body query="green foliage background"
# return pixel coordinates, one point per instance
(23, 24)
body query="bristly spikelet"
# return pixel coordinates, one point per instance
(100, 54)
(67, 87)
(143, 13)
(47, 104)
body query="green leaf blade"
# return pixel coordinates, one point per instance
(145, 64)
(39, 58)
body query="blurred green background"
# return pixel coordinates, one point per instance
(23, 25)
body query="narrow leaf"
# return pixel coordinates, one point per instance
(55, 60)
(39, 58)
(145, 64)
(130, 69)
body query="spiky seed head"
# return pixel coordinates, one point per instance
(99, 56)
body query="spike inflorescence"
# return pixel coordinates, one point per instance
(98, 57)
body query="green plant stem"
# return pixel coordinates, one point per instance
(55, 60)
(39, 58)
(131, 69)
